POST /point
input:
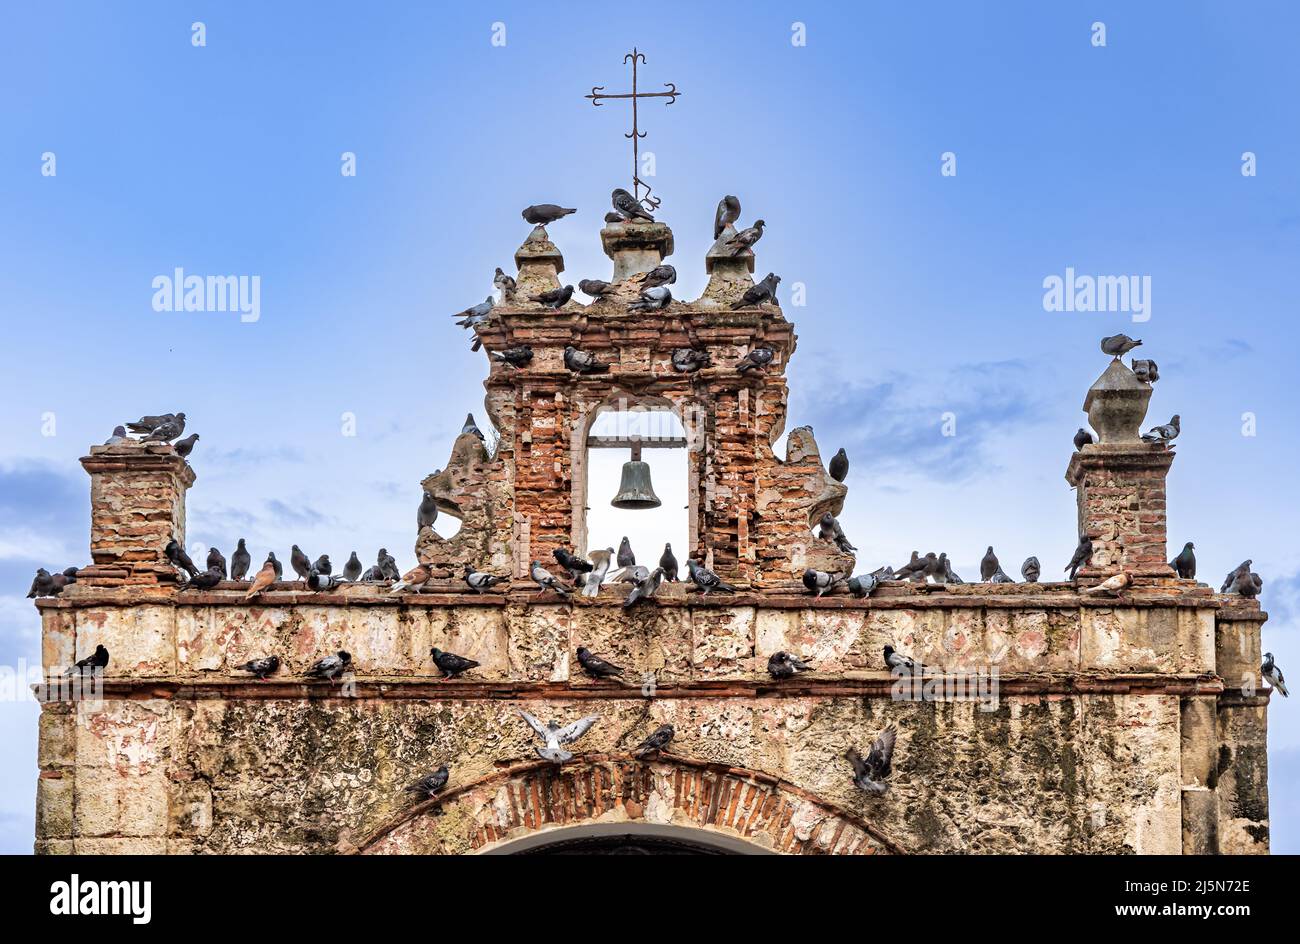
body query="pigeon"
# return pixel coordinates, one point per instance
(555, 737)
(764, 291)
(839, 467)
(373, 575)
(1248, 585)
(205, 580)
(728, 212)
(913, 565)
(580, 362)
(668, 564)
(331, 667)
(633, 573)
(1117, 345)
(656, 742)
(829, 530)
(176, 554)
(431, 785)
(625, 556)
(472, 427)
(1273, 675)
(897, 661)
(147, 424)
(261, 668)
(119, 436)
(263, 579)
(1147, 371)
(1166, 433)
(239, 561)
(476, 314)
(96, 660)
(989, 565)
(928, 564)
(646, 588)
(595, 287)
(1185, 562)
(782, 665)
(597, 667)
(554, 299)
(863, 586)
(613, 217)
(1082, 555)
(300, 562)
(629, 207)
(706, 580)
(323, 565)
(938, 569)
(352, 569)
(659, 275)
(590, 582)
(514, 356)
(545, 580)
(479, 581)
(1111, 585)
(451, 664)
(320, 582)
(869, 774)
(413, 580)
(185, 446)
(425, 515)
(746, 238)
(1082, 438)
(540, 214)
(388, 565)
(819, 581)
(217, 561)
(573, 564)
(43, 585)
(688, 360)
(504, 284)
(1241, 569)
(652, 299)
(1031, 570)
(279, 568)
(884, 573)
(756, 359)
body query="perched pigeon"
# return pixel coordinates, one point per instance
(556, 737)
(555, 298)
(1117, 345)
(1031, 570)
(572, 563)
(613, 217)
(629, 207)
(427, 513)
(756, 359)
(479, 581)
(989, 565)
(916, 563)
(476, 314)
(746, 238)
(839, 467)
(597, 667)
(869, 774)
(938, 569)
(706, 580)
(1248, 585)
(504, 284)
(330, 667)
(1082, 438)
(595, 287)
(373, 575)
(1242, 569)
(540, 214)
(451, 664)
(261, 668)
(656, 742)
(897, 661)
(262, 579)
(320, 582)
(1273, 675)
(764, 291)
(119, 436)
(633, 573)
(659, 275)
(590, 582)
(645, 589)
(1082, 555)
(1166, 433)
(782, 665)
(580, 362)
(545, 580)
(96, 660)
(727, 214)
(205, 580)
(1185, 562)
(300, 562)
(688, 360)
(668, 564)
(279, 568)
(413, 580)
(514, 356)
(625, 556)
(431, 785)
(352, 569)
(1147, 371)
(819, 581)
(829, 530)
(1111, 585)
(323, 565)
(863, 586)
(216, 561)
(167, 431)
(388, 565)
(652, 299)
(176, 554)
(43, 585)
(147, 424)
(472, 427)
(240, 561)
(884, 573)
(185, 446)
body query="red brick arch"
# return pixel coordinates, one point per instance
(534, 797)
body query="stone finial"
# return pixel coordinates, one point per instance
(540, 264)
(791, 504)
(137, 505)
(470, 489)
(1117, 404)
(636, 247)
(729, 273)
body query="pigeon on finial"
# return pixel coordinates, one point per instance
(829, 530)
(746, 238)
(727, 214)
(628, 207)
(540, 214)
(1165, 433)
(1117, 345)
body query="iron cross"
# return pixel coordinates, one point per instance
(636, 134)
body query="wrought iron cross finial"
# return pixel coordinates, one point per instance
(636, 134)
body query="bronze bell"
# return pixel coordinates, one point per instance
(635, 491)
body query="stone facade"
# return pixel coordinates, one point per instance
(1118, 724)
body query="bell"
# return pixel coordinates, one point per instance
(635, 491)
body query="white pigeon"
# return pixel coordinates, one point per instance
(592, 580)
(556, 737)
(1111, 584)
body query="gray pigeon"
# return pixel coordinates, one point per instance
(555, 298)
(829, 530)
(895, 660)
(546, 580)
(388, 565)
(430, 786)
(819, 581)
(1031, 570)
(1082, 438)
(321, 582)
(746, 238)
(1082, 555)
(1147, 371)
(652, 299)
(504, 284)
(479, 581)
(1248, 585)
(1185, 562)
(472, 427)
(1166, 433)
(275, 564)
(168, 431)
(217, 561)
(628, 207)
(705, 580)
(427, 513)
(514, 356)
(634, 573)
(625, 556)
(119, 435)
(300, 562)
(1000, 576)
(147, 424)
(668, 562)
(659, 275)
(864, 585)
(870, 773)
(591, 582)
(352, 569)
(764, 291)
(839, 467)
(595, 287)
(240, 561)
(727, 214)
(1238, 571)
(556, 738)
(185, 446)
(756, 359)
(782, 665)
(330, 667)
(323, 565)
(646, 588)
(1117, 345)
(476, 314)
(1273, 675)
(989, 565)
(540, 214)
(688, 360)
(580, 362)
(261, 668)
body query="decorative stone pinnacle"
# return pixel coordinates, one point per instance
(540, 264)
(636, 247)
(1117, 404)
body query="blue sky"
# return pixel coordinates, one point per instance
(924, 292)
